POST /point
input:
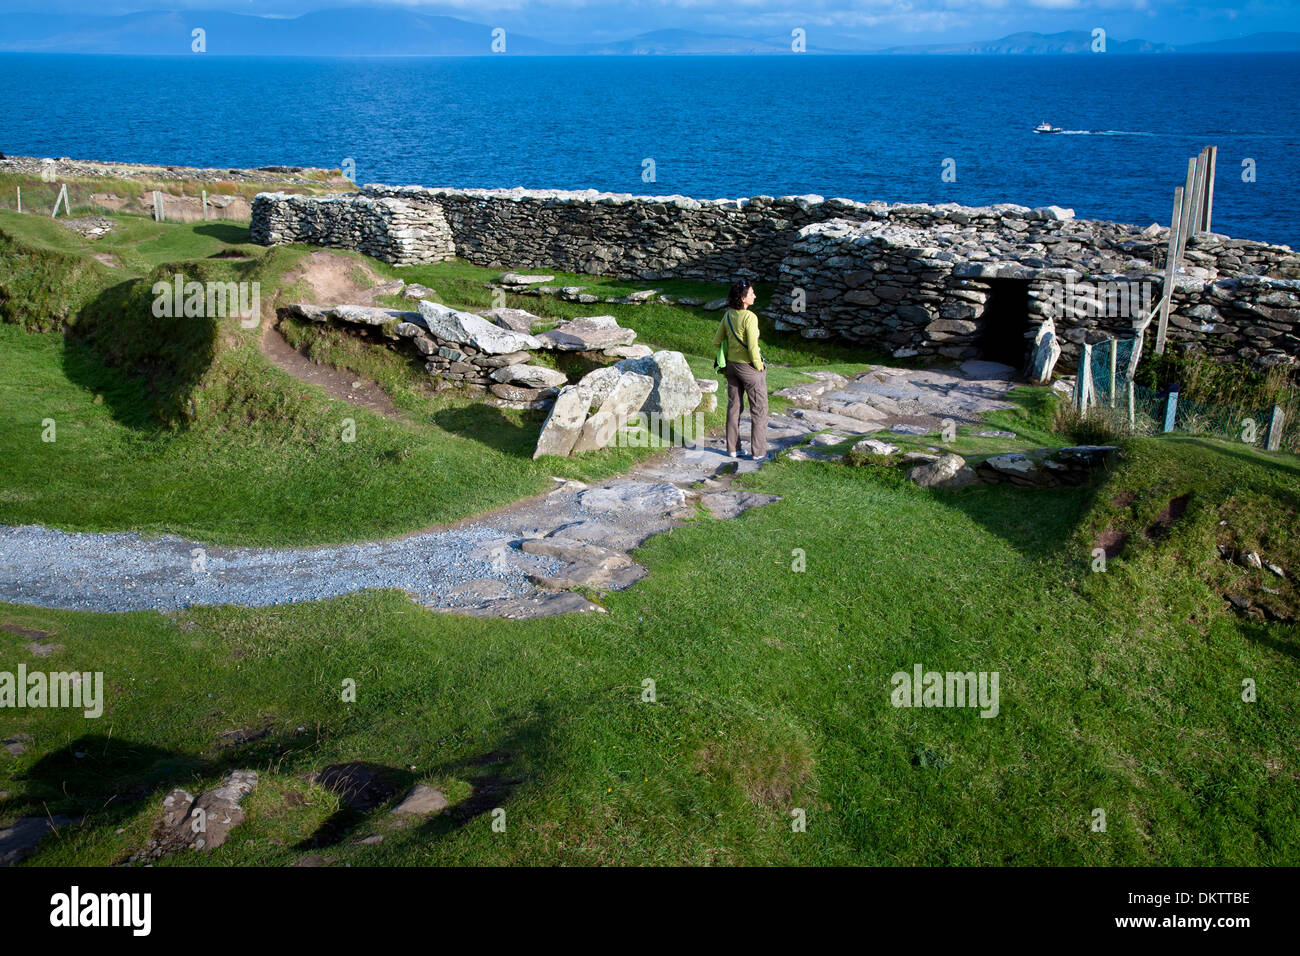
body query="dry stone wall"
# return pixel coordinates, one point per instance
(915, 280)
(392, 230)
(924, 285)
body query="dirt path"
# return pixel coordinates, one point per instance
(332, 278)
(344, 386)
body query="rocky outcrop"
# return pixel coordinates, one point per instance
(1064, 466)
(205, 822)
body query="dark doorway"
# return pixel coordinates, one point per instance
(1006, 323)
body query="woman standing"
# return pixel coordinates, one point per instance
(746, 375)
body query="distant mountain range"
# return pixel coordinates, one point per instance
(388, 32)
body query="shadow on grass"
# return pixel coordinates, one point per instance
(486, 424)
(104, 778)
(494, 776)
(364, 787)
(228, 232)
(145, 366)
(126, 395)
(1266, 635)
(1037, 522)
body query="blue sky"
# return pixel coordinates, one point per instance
(860, 23)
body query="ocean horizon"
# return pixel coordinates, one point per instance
(895, 128)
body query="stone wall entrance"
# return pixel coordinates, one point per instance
(1007, 331)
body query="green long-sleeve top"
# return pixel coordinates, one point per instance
(746, 348)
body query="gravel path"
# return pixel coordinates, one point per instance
(124, 572)
(524, 561)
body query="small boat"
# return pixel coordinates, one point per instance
(1046, 128)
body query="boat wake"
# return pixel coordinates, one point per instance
(1101, 132)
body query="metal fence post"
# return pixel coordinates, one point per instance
(1086, 393)
(1114, 360)
(1171, 409)
(1274, 441)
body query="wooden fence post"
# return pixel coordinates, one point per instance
(1171, 409)
(1274, 441)
(1198, 194)
(1189, 193)
(1132, 419)
(1171, 264)
(62, 197)
(1211, 157)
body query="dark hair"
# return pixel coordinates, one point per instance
(736, 295)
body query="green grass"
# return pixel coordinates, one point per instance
(1120, 690)
(684, 329)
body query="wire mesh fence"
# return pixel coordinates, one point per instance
(1104, 388)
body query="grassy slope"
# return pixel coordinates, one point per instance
(1118, 690)
(265, 450)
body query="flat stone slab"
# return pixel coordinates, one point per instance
(20, 838)
(422, 801)
(586, 334)
(654, 497)
(892, 396)
(516, 320)
(729, 504)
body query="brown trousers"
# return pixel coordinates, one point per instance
(745, 380)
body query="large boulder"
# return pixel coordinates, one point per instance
(466, 328)
(587, 333)
(950, 471)
(675, 392)
(562, 426)
(624, 400)
(1046, 351)
(598, 383)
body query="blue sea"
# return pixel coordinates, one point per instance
(862, 127)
